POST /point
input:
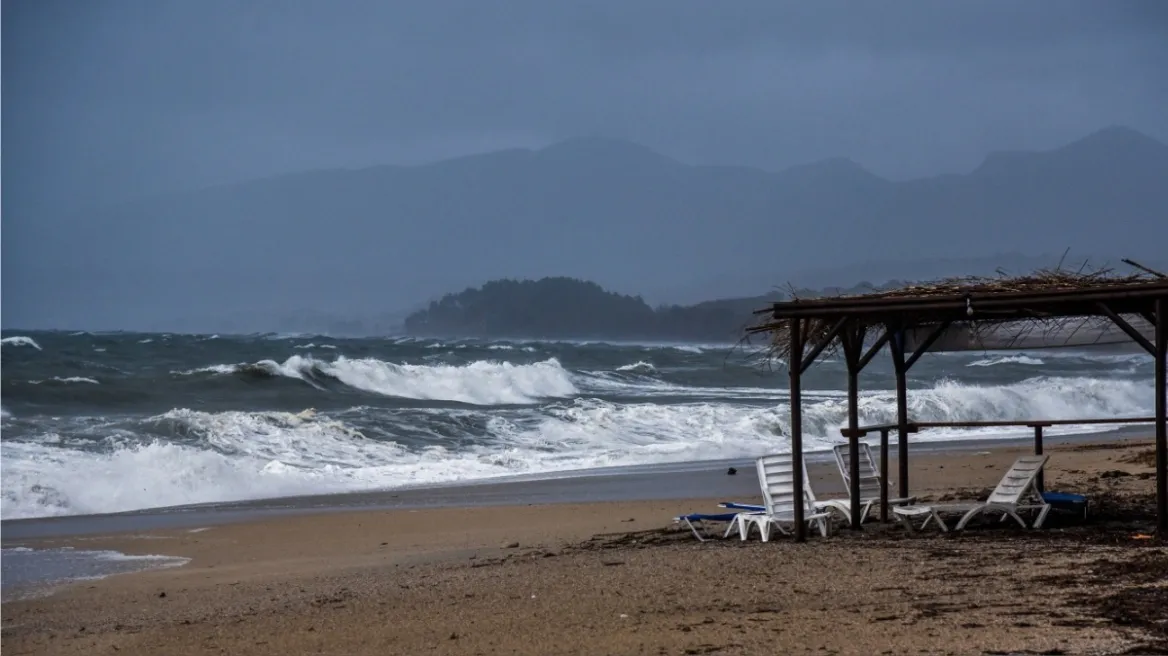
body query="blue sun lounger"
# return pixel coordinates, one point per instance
(1074, 503)
(745, 507)
(696, 521)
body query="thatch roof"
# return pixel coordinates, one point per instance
(1000, 312)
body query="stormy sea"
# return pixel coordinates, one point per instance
(109, 422)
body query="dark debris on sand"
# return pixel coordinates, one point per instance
(1129, 593)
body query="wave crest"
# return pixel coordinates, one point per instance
(482, 382)
(639, 367)
(1006, 359)
(66, 380)
(20, 340)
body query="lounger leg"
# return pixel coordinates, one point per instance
(968, 516)
(822, 526)
(694, 530)
(733, 526)
(866, 511)
(908, 523)
(935, 517)
(743, 527)
(1041, 516)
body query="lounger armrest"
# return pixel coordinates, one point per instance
(1028, 506)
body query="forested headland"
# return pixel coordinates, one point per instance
(568, 308)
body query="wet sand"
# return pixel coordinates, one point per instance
(616, 577)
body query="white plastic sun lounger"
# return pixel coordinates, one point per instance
(870, 483)
(1017, 491)
(776, 476)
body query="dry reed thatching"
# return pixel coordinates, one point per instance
(777, 334)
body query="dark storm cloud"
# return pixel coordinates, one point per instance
(108, 99)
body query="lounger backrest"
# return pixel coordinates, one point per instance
(776, 476)
(1019, 481)
(870, 481)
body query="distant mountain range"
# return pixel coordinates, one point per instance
(391, 237)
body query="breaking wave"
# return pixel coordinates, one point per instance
(123, 421)
(20, 340)
(187, 456)
(1006, 359)
(640, 367)
(477, 383)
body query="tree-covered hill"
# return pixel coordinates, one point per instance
(569, 308)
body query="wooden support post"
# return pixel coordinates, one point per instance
(794, 363)
(1161, 411)
(901, 369)
(883, 475)
(1038, 452)
(853, 342)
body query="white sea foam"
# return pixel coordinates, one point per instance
(1005, 359)
(212, 369)
(145, 341)
(20, 340)
(1085, 355)
(117, 557)
(251, 455)
(31, 573)
(632, 382)
(239, 456)
(640, 367)
(69, 379)
(231, 456)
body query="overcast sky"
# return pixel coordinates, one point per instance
(108, 99)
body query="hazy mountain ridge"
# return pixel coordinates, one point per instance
(360, 241)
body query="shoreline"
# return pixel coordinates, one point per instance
(656, 482)
(619, 576)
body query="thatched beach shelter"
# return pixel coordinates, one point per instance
(1043, 310)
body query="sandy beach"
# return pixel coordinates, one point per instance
(615, 577)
